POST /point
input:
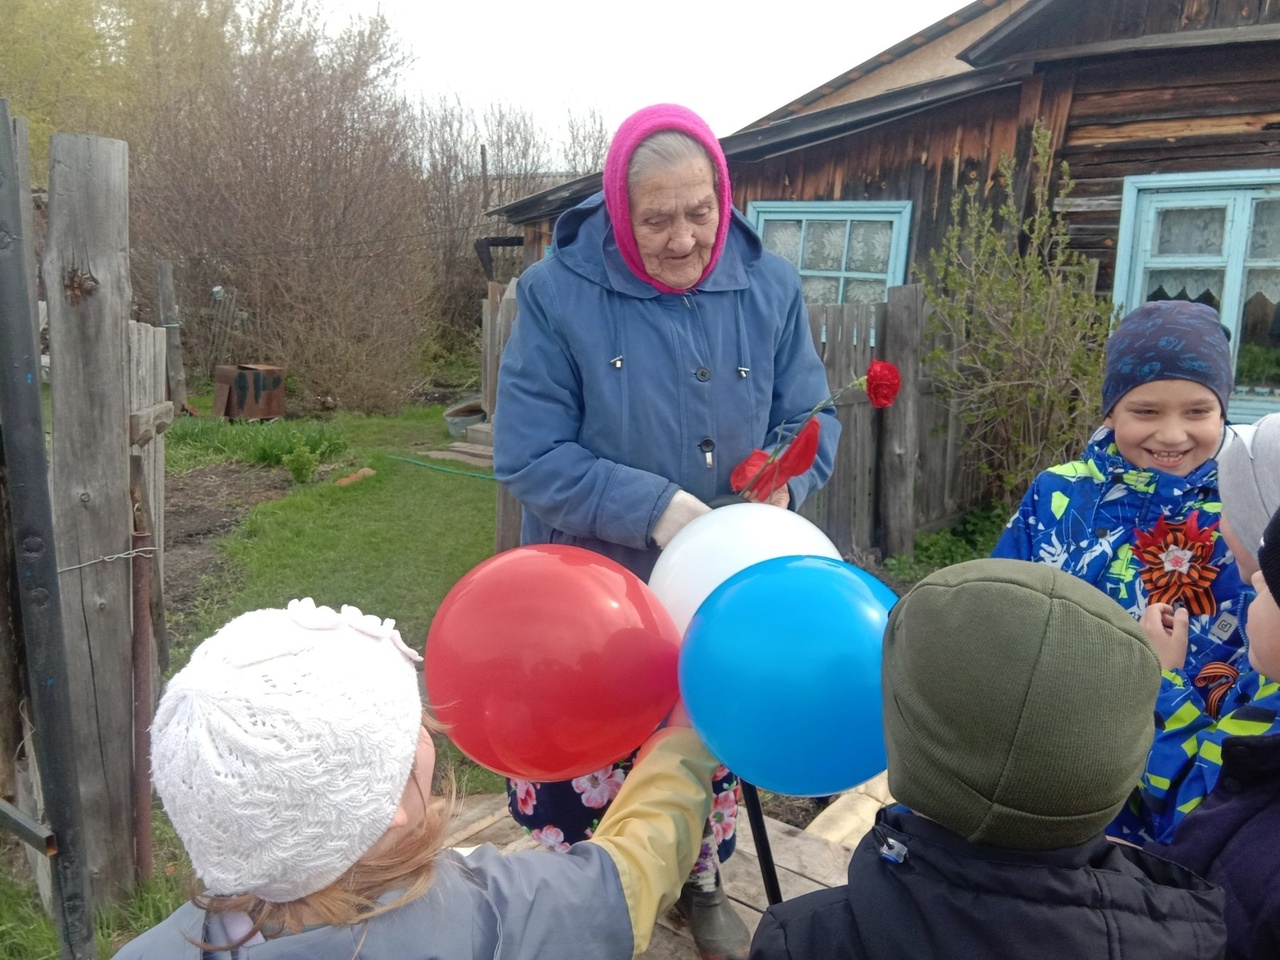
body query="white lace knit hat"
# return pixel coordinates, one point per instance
(281, 751)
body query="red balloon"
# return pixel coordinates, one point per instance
(551, 662)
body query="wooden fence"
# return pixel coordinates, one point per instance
(109, 383)
(899, 471)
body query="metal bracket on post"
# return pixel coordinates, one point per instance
(32, 832)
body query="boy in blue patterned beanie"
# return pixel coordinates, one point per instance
(1137, 515)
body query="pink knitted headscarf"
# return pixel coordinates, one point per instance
(617, 200)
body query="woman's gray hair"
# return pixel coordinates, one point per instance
(664, 151)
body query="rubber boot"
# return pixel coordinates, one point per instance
(718, 931)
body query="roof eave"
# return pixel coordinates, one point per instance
(785, 135)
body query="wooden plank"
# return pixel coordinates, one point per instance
(1195, 14)
(507, 515)
(744, 883)
(899, 456)
(1163, 103)
(175, 371)
(473, 814)
(804, 854)
(461, 457)
(10, 684)
(1130, 18)
(1099, 135)
(86, 268)
(144, 425)
(1176, 40)
(1172, 68)
(474, 449)
(1117, 161)
(667, 944)
(151, 416)
(1235, 13)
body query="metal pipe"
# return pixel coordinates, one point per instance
(764, 853)
(36, 569)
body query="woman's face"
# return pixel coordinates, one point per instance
(674, 216)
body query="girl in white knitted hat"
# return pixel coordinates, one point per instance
(293, 756)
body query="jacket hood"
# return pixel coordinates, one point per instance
(584, 241)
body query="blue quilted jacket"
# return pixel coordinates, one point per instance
(1130, 532)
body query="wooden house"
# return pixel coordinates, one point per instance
(1166, 111)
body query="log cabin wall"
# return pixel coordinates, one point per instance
(925, 158)
(1173, 112)
(1081, 22)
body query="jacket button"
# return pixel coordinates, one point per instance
(703, 374)
(1101, 532)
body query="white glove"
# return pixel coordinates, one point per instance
(683, 508)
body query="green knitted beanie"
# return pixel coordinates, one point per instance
(1018, 703)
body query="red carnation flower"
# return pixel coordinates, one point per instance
(883, 383)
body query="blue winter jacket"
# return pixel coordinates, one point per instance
(1084, 517)
(613, 396)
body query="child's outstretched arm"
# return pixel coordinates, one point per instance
(602, 898)
(654, 826)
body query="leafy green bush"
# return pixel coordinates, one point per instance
(1020, 328)
(302, 462)
(1259, 365)
(972, 538)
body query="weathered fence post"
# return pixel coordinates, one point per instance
(149, 416)
(22, 153)
(899, 458)
(86, 270)
(10, 686)
(507, 521)
(172, 323)
(53, 692)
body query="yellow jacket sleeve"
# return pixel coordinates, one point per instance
(653, 828)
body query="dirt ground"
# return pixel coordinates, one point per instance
(201, 506)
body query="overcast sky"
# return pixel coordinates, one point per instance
(732, 62)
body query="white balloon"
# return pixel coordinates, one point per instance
(712, 548)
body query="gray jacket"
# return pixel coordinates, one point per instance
(485, 905)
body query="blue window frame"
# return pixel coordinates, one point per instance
(845, 251)
(1213, 238)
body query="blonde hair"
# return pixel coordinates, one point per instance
(408, 865)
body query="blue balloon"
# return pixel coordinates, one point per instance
(879, 589)
(780, 673)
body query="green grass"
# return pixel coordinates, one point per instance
(392, 545)
(192, 442)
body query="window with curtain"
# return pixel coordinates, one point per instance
(845, 251)
(1215, 239)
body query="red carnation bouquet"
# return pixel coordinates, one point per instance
(762, 473)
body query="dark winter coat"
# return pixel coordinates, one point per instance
(917, 891)
(1233, 839)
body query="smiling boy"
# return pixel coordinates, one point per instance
(1137, 515)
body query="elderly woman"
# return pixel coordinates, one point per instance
(656, 346)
